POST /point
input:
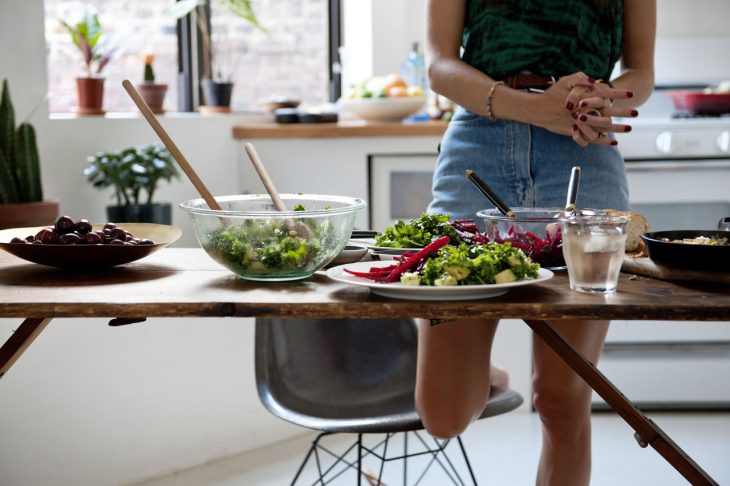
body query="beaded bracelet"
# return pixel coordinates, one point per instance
(490, 97)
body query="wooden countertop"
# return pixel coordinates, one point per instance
(340, 129)
(187, 282)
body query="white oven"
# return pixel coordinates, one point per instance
(679, 178)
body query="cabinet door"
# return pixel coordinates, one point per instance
(400, 187)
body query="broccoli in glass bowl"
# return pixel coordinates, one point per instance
(257, 242)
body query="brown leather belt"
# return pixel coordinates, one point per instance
(528, 81)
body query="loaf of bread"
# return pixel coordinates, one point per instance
(637, 225)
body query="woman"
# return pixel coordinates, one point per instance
(531, 106)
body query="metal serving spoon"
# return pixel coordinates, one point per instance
(572, 191)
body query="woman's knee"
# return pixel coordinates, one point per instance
(562, 407)
(442, 420)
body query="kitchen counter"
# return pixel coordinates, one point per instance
(340, 129)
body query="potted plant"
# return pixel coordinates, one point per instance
(151, 92)
(96, 52)
(135, 174)
(21, 191)
(217, 79)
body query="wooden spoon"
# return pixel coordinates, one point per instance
(297, 227)
(176, 153)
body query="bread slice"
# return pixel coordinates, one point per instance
(637, 225)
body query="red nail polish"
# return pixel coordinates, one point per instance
(575, 128)
(627, 128)
(634, 113)
(591, 80)
(583, 118)
(614, 142)
(569, 105)
(574, 115)
(629, 94)
(583, 104)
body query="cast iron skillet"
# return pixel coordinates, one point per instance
(684, 255)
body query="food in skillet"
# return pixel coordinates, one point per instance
(699, 240)
(66, 231)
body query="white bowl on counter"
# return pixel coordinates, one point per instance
(382, 109)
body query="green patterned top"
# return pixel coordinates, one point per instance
(547, 37)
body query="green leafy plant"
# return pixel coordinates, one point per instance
(20, 173)
(87, 34)
(132, 172)
(241, 8)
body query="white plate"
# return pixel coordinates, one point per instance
(350, 254)
(424, 292)
(370, 243)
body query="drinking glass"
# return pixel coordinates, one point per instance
(593, 247)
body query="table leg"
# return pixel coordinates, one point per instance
(647, 432)
(20, 340)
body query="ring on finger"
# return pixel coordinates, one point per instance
(602, 135)
(594, 112)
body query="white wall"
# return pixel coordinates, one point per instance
(88, 404)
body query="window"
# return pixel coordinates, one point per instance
(291, 60)
(133, 26)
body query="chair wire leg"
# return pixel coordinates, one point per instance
(306, 458)
(405, 459)
(385, 455)
(359, 459)
(466, 460)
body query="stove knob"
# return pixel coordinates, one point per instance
(723, 142)
(665, 143)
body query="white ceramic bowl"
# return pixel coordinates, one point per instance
(256, 242)
(382, 109)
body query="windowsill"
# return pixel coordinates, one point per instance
(239, 117)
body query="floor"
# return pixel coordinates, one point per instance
(503, 451)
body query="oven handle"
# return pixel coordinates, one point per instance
(676, 165)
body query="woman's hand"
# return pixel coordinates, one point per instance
(593, 113)
(581, 107)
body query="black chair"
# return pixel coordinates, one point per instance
(354, 376)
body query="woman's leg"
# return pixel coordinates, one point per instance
(563, 401)
(452, 381)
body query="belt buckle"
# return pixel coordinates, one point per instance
(538, 90)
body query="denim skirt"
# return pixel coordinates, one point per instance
(525, 165)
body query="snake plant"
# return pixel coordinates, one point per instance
(20, 174)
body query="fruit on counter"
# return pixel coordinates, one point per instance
(66, 231)
(389, 86)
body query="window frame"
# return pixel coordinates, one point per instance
(191, 69)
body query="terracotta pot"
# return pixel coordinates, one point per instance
(154, 95)
(90, 94)
(160, 213)
(21, 215)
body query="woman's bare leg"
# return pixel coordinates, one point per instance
(452, 381)
(563, 401)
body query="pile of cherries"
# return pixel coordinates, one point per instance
(66, 231)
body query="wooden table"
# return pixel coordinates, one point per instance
(187, 283)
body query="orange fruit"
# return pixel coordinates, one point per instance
(397, 91)
(392, 80)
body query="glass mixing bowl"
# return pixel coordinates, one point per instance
(257, 242)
